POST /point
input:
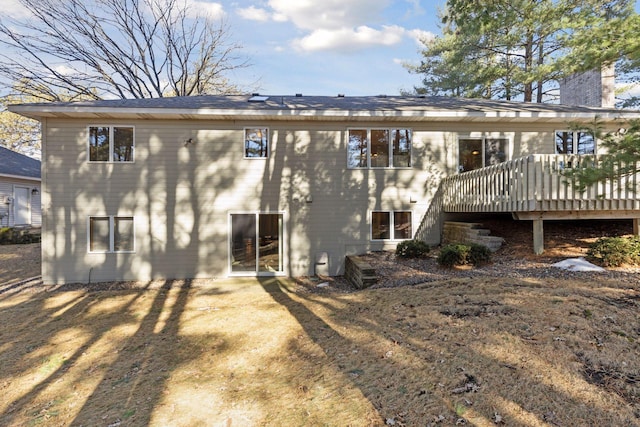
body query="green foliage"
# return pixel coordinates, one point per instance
(464, 254)
(616, 251)
(15, 236)
(412, 249)
(622, 161)
(609, 34)
(516, 49)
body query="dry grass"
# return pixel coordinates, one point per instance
(472, 350)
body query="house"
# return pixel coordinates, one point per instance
(19, 189)
(215, 186)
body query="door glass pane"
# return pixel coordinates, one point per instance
(243, 242)
(379, 148)
(470, 152)
(401, 225)
(270, 249)
(495, 151)
(99, 234)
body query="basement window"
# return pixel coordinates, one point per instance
(391, 225)
(110, 234)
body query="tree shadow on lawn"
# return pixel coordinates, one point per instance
(124, 385)
(463, 356)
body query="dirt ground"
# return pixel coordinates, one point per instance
(472, 349)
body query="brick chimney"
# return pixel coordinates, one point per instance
(594, 88)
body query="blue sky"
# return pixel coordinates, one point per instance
(323, 47)
(326, 47)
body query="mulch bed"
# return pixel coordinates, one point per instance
(563, 239)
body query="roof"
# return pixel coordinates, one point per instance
(18, 165)
(327, 108)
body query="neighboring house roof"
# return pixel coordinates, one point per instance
(339, 108)
(18, 165)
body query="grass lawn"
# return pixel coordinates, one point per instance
(467, 351)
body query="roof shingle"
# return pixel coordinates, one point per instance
(16, 164)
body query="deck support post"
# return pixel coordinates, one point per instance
(636, 226)
(538, 237)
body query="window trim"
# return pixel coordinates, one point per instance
(483, 145)
(574, 134)
(244, 144)
(391, 224)
(390, 154)
(111, 144)
(112, 219)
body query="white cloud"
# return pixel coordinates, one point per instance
(421, 36)
(416, 9)
(65, 70)
(253, 13)
(205, 8)
(279, 17)
(14, 9)
(347, 39)
(329, 14)
(337, 25)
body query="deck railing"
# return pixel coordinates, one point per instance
(537, 183)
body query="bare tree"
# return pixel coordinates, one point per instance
(79, 49)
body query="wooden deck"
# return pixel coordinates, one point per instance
(536, 188)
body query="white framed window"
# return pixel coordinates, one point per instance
(108, 233)
(379, 148)
(476, 153)
(256, 143)
(574, 142)
(111, 144)
(391, 225)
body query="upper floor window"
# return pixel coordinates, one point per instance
(574, 142)
(111, 234)
(476, 153)
(111, 143)
(379, 148)
(256, 143)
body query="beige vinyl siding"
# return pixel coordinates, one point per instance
(7, 192)
(181, 196)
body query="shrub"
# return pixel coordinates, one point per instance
(463, 254)
(6, 235)
(14, 236)
(615, 251)
(412, 249)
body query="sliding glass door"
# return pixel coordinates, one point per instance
(256, 243)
